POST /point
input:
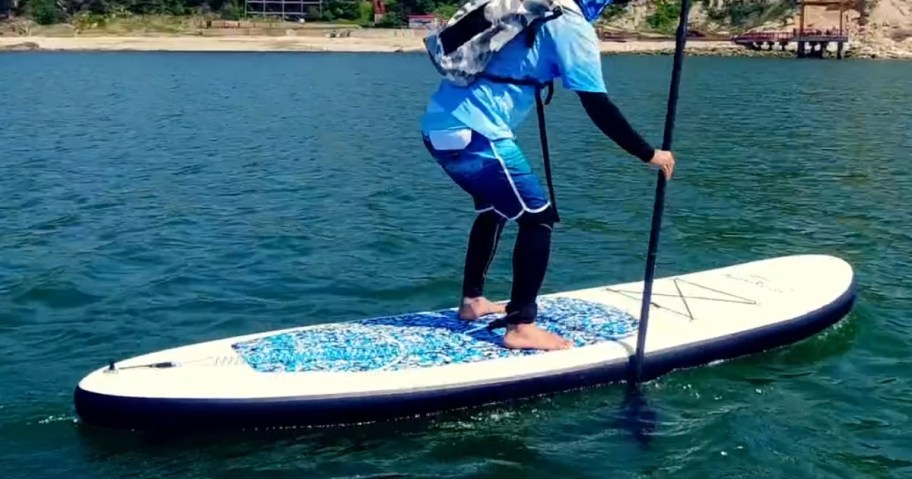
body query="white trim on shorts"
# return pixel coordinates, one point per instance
(522, 203)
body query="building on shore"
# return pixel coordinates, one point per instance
(809, 42)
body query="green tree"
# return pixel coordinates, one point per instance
(614, 10)
(445, 10)
(96, 7)
(665, 16)
(341, 10)
(44, 12)
(233, 10)
(365, 13)
(749, 13)
(399, 10)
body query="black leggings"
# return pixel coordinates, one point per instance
(530, 259)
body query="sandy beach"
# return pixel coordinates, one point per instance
(301, 44)
(383, 41)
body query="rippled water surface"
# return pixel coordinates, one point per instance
(151, 200)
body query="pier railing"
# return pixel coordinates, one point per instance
(789, 37)
(810, 43)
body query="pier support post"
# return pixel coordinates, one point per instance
(816, 50)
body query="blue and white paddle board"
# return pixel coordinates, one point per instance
(409, 364)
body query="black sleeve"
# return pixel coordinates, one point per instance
(609, 119)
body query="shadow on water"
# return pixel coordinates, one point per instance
(636, 416)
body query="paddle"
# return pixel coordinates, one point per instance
(638, 417)
(659, 203)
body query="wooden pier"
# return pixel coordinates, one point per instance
(810, 43)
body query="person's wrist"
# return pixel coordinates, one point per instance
(647, 153)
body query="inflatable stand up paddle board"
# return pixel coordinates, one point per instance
(408, 364)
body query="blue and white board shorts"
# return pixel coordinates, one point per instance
(495, 173)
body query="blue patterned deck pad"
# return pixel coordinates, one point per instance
(424, 339)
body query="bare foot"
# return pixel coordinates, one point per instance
(474, 308)
(530, 336)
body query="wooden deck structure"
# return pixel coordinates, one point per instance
(817, 41)
(295, 10)
(291, 10)
(811, 43)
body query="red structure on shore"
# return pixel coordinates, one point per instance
(379, 10)
(811, 42)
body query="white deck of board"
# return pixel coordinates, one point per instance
(776, 290)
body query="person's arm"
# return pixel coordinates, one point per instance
(578, 61)
(606, 116)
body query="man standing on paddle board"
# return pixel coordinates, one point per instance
(470, 132)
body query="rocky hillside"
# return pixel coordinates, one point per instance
(881, 28)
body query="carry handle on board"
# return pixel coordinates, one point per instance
(659, 204)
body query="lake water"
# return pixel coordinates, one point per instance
(151, 200)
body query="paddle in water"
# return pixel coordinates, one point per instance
(637, 416)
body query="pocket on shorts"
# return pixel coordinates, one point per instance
(450, 140)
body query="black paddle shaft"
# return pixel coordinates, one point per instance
(659, 204)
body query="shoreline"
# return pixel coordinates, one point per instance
(271, 43)
(352, 44)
